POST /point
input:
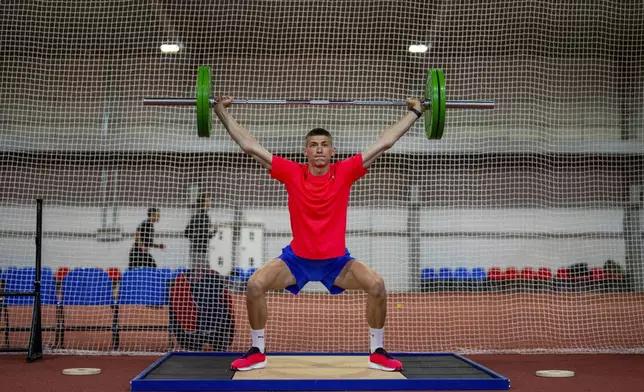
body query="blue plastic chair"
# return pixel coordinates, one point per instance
(144, 286)
(87, 286)
(22, 280)
(445, 273)
(462, 273)
(428, 274)
(478, 273)
(8, 270)
(166, 273)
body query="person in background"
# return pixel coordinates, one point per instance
(199, 232)
(144, 240)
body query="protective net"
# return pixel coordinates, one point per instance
(519, 230)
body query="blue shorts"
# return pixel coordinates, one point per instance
(307, 270)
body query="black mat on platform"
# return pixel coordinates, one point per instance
(181, 367)
(218, 368)
(442, 366)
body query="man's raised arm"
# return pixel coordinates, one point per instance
(390, 135)
(241, 135)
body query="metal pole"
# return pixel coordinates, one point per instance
(38, 239)
(163, 101)
(35, 335)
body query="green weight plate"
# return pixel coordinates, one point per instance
(204, 92)
(432, 94)
(441, 104)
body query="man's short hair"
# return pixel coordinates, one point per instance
(151, 211)
(318, 132)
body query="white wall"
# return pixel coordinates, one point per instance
(478, 237)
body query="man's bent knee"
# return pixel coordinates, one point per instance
(255, 289)
(377, 288)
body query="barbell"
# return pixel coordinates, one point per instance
(434, 98)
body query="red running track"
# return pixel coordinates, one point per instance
(594, 373)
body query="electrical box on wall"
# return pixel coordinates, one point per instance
(221, 249)
(251, 246)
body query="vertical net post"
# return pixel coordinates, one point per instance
(35, 335)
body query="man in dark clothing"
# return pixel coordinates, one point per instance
(143, 240)
(199, 232)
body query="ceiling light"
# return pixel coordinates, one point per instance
(418, 48)
(170, 48)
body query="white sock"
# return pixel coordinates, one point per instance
(258, 339)
(377, 336)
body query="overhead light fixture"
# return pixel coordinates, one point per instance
(420, 48)
(170, 48)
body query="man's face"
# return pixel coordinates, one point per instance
(155, 217)
(207, 203)
(319, 150)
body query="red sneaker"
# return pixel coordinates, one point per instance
(381, 360)
(253, 359)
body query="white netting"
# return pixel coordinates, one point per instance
(550, 179)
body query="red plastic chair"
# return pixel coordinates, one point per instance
(562, 274)
(494, 273)
(544, 273)
(597, 273)
(527, 273)
(511, 273)
(61, 273)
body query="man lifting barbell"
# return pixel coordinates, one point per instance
(318, 194)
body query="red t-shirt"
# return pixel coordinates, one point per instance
(318, 204)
